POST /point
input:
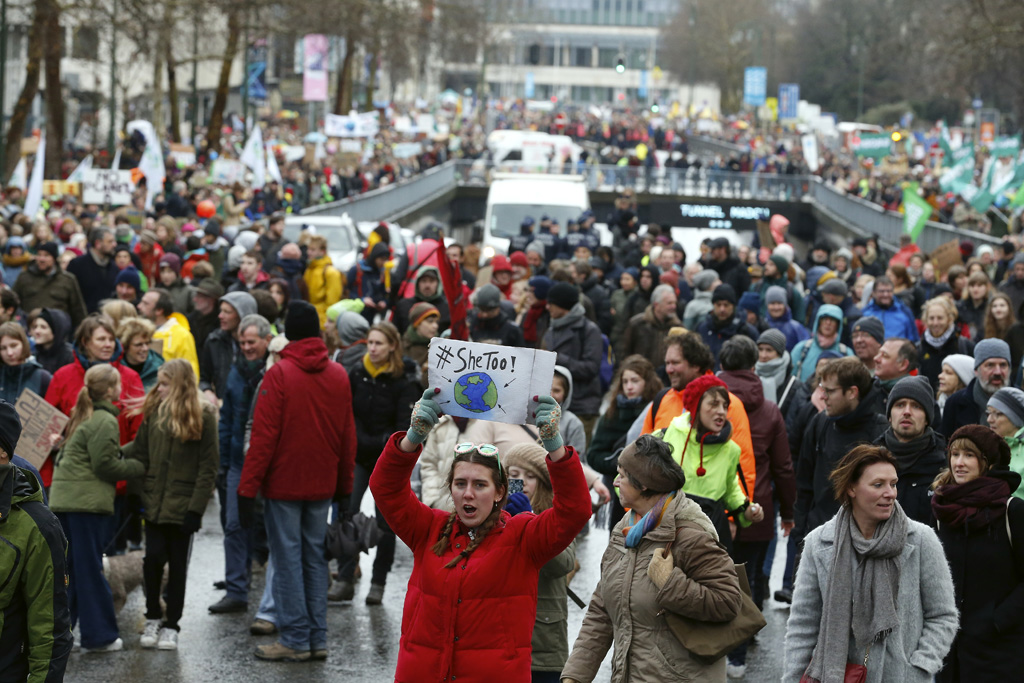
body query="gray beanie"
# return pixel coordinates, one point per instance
(242, 302)
(990, 348)
(917, 389)
(704, 279)
(773, 338)
(1010, 402)
(775, 295)
(536, 247)
(871, 325)
(834, 286)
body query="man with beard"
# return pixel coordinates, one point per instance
(867, 337)
(991, 373)
(489, 324)
(95, 270)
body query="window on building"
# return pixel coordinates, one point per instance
(85, 43)
(547, 56)
(583, 57)
(606, 57)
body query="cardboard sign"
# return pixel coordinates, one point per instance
(488, 382)
(60, 187)
(947, 255)
(39, 421)
(103, 186)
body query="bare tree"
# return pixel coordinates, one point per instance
(23, 106)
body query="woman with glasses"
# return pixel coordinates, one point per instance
(472, 597)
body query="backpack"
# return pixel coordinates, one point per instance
(843, 349)
(607, 369)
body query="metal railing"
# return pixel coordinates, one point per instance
(705, 146)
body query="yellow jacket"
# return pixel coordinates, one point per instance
(178, 341)
(325, 284)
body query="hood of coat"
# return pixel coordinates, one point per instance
(309, 354)
(436, 274)
(17, 486)
(828, 311)
(60, 323)
(746, 386)
(564, 372)
(351, 327)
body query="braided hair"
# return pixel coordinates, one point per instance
(500, 479)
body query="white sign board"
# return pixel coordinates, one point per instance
(488, 382)
(104, 186)
(354, 125)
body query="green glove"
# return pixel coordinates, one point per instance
(548, 415)
(425, 415)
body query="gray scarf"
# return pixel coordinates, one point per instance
(981, 398)
(574, 314)
(938, 342)
(773, 375)
(864, 600)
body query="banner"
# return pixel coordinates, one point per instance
(1005, 146)
(101, 186)
(19, 178)
(352, 126)
(254, 156)
(789, 98)
(810, 145)
(34, 198)
(152, 162)
(227, 172)
(755, 85)
(273, 170)
(78, 175)
(183, 155)
(873, 145)
(916, 212)
(256, 80)
(314, 68)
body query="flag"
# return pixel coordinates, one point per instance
(810, 147)
(273, 170)
(916, 212)
(34, 198)
(254, 156)
(19, 178)
(78, 175)
(451, 283)
(152, 162)
(116, 164)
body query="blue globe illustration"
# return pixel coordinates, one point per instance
(476, 392)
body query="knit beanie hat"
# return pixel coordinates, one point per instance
(775, 339)
(704, 279)
(724, 292)
(655, 477)
(488, 297)
(692, 395)
(418, 313)
(50, 248)
(129, 276)
(917, 389)
(963, 366)
(750, 301)
(541, 286)
(531, 458)
(563, 295)
(869, 324)
(302, 321)
(519, 259)
(990, 348)
(775, 295)
(536, 247)
(781, 262)
(992, 446)
(1010, 402)
(10, 427)
(500, 264)
(834, 286)
(172, 261)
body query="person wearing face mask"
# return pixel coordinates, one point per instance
(991, 373)
(874, 589)
(18, 370)
(468, 561)
(979, 524)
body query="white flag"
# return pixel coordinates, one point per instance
(78, 175)
(273, 170)
(152, 162)
(116, 164)
(19, 178)
(34, 198)
(253, 156)
(810, 147)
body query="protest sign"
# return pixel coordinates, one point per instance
(488, 382)
(39, 421)
(873, 145)
(227, 172)
(184, 155)
(947, 255)
(102, 186)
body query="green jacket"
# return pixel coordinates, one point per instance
(550, 632)
(57, 289)
(35, 623)
(180, 475)
(1016, 443)
(89, 465)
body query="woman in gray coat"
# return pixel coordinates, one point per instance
(873, 585)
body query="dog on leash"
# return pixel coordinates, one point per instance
(124, 574)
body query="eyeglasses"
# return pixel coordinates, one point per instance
(486, 449)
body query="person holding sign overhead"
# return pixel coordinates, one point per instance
(472, 597)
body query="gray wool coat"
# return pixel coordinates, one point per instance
(926, 607)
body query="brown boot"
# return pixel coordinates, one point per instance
(280, 653)
(262, 627)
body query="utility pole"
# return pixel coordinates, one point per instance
(195, 74)
(860, 85)
(693, 56)
(113, 80)
(3, 78)
(245, 82)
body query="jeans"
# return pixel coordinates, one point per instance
(237, 543)
(297, 533)
(385, 547)
(166, 544)
(787, 575)
(266, 611)
(89, 594)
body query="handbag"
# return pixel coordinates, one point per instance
(709, 641)
(855, 673)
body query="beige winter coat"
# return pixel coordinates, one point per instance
(625, 610)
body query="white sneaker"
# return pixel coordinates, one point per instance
(115, 646)
(150, 634)
(168, 639)
(736, 670)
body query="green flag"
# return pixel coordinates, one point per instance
(958, 175)
(916, 212)
(874, 145)
(1018, 199)
(1005, 146)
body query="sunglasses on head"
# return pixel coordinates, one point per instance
(485, 449)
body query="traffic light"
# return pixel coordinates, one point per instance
(620, 66)
(655, 108)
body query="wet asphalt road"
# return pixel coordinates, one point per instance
(363, 640)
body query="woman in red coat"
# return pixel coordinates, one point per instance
(95, 342)
(472, 598)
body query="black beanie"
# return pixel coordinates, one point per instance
(563, 295)
(917, 389)
(10, 428)
(302, 321)
(50, 248)
(724, 293)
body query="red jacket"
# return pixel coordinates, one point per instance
(69, 380)
(303, 443)
(473, 623)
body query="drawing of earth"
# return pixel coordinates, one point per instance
(476, 392)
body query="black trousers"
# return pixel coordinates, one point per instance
(753, 553)
(166, 544)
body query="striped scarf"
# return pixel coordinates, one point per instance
(637, 530)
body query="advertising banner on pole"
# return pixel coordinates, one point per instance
(874, 145)
(755, 85)
(789, 97)
(314, 68)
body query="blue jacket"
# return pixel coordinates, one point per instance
(234, 414)
(805, 354)
(898, 320)
(794, 331)
(364, 280)
(716, 337)
(14, 379)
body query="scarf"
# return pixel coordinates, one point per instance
(622, 402)
(981, 398)
(574, 314)
(636, 530)
(908, 452)
(888, 384)
(773, 375)
(533, 314)
(414, 338)
(976, 504)
(375, 370)
(250, 372)
(938, 342)
(862, 600)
